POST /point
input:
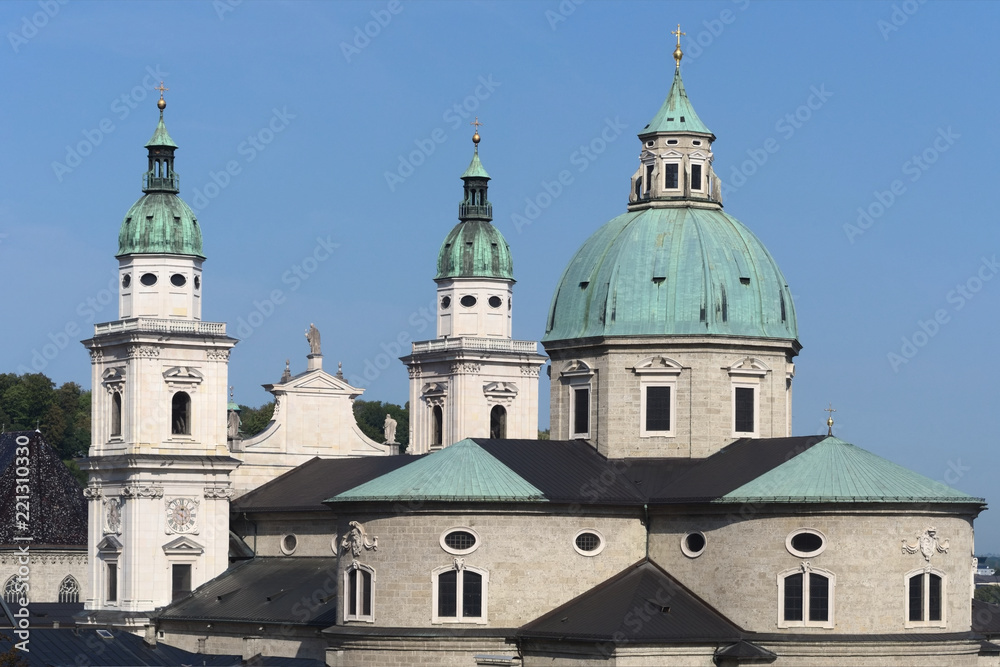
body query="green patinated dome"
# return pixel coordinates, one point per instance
(475, 249)
(160, 223)
(672, 271)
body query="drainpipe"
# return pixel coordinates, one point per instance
(645, 513)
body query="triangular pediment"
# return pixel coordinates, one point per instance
(318, 381)
(673, 154)
(109, 545)
(183, 545)
(698, 155)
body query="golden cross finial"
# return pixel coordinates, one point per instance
(678, 54)
(829, 420)
(475, 137)
(161, 103)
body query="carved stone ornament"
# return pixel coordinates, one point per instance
(112, 516)
(96, 355)
(92, 492)
(142, 491)
(219, 492)
(926, 544)
(414, 371)
(465, 367)
(218, 355)
(356, 539)
(530, 371)
(143, 351)
(459, 564)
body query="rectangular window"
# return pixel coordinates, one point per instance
(581, 411)
(181, 581)
(917, 598)
(472, 594)
(793, 597)
(819, 597)
(696, 177)
(657, 408)
(448, 594)
(670, 173)
(649, 178)
(112, 582)
(934, 598)
(744, 418)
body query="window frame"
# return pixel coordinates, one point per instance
(358, 569)
(460, 552)
(600, 547)
(805, 554)
(658, 371)
(578, 375)
(925, 599)
(755, 387)
(667, 164)
(460, 567)
(66, 589)
(806, 572)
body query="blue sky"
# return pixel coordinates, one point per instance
(321, 145)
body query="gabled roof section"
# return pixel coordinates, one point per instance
(462, 472)
(266, 590)
(836, 471)
(676, 114)
(304, 488)
(671, 613)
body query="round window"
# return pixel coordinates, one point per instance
(588, 542)
(288, 544)
(148, 279)
(445, 302)
(197, 282)
(460, 541)
(805, 543)
(693, 544)
(126, 280)
(468, 301)
(177, 280)
(495, 302)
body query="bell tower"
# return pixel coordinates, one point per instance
(159, 462)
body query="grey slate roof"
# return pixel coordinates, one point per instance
(986, 618)
(266, 590)
(70, 647)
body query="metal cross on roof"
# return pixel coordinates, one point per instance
(829, 420)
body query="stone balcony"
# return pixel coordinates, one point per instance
(160, 325)
(476, 344)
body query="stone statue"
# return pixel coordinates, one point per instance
(390, 430)
(312, 335)
(234, 424)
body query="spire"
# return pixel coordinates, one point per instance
(160, 176)
(475, 205)
(676, 114)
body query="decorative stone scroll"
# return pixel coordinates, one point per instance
(218, 355)
(93, 492)
(219, 492)
(143, 351)
(96, 356)
(465, 367)
(927, 544)
(356, 539)
(142, 491)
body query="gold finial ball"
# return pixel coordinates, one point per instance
(829, 421)
(161, 104)
(678, 54)
(475, 138)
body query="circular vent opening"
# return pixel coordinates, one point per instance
(445, 302)
(588, 542)
(148, 279)
(495, 302)
(468, 301)
(693, 544)
(288, 544)
(197, 282)
(177, 280)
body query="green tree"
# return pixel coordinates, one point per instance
(543, 435)
(370, 416)
(255, 420)
(987, 593)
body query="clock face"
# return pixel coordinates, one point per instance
(181, 514)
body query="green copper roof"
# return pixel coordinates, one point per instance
(836, 471)
(160, 136)
(160, 223)
(475, 249)
(664, 271)
(676, 114)
(475, 169)
(462, 472)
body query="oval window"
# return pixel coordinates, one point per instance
(288, 544)
(693, 544)
(672, 142)
(696, 143)
(468, 301)
(126, 280)
(805, 543)
(148, 279)
(197, 282)
(495, 302)
(445, 302)
(177, 280)
(588, 542)
(460, 541)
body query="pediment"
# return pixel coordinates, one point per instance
(318, 380)
(434, 389)
(659, 365)
(109, 545)
(183, 374)
(577, 367)
(698, 155)
(114, 374)
(673, 154)
(500, 389)
(748, 366)
(183, 545)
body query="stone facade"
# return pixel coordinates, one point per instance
(49, 568)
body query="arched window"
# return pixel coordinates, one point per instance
(437, 426)
(925, 598)
(459, 594)
(805, 598)
(116, 414)
(180, 414)
(12, 591)
(359, 582)
(498, 422)
(69, 589)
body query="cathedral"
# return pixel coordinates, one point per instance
(673, 519)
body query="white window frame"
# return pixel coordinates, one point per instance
(805, 622)
(657, 372)
(459, 566)
(756, 410)
(600, 546)
(805, 554)
(924, 572)
(353, 570)
(746, 373)
(460, 552)
(680, 174)
(578, 375)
